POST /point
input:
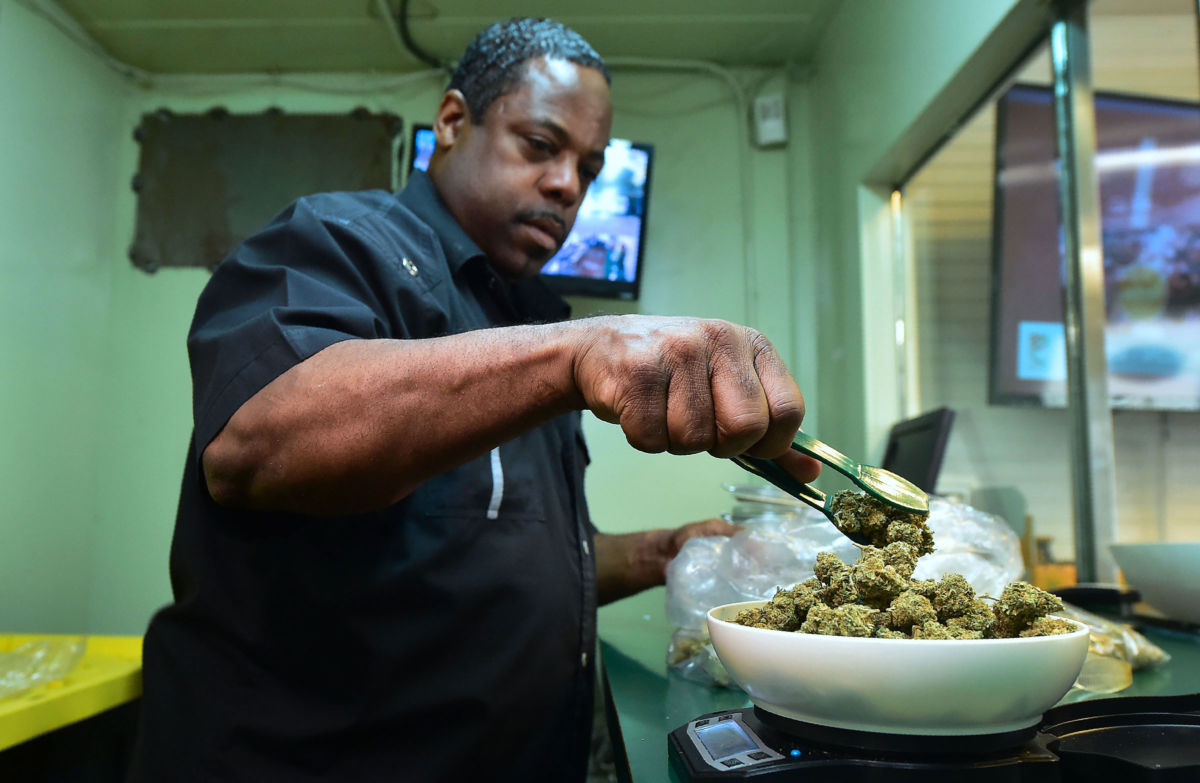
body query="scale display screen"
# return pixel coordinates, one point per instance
(725, 738)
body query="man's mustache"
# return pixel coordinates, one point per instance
(536, 215)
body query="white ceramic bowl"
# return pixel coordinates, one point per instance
(1166, 574)
(898, 686)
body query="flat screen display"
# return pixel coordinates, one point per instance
(602, 256)
(1148, 166)
(916, 447)
(725, 739)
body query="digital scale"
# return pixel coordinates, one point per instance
(1133, 740)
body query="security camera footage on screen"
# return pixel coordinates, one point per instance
(1148, 165)
(600, 256)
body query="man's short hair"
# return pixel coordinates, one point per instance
(492, 64)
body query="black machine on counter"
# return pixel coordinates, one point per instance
(1133, 740)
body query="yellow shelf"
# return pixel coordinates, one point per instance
(108, 675)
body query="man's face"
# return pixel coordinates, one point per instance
(515, 181)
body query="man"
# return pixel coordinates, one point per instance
(383, 564)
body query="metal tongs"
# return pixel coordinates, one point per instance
(876, 482)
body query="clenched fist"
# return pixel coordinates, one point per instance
(686, 385)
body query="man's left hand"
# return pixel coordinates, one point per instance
(631, 562)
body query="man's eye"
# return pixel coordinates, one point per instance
(541, 145)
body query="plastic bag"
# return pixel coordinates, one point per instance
(1118, 640)
(778, 549)
(1115, 652)
(978, 545)
(38, 662)
(691, 654)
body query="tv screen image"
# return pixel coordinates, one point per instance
(1148, 166)
(602, 256)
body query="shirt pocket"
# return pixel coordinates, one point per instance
(505, 483)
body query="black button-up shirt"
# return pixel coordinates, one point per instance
(447, 636)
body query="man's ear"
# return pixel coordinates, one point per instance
(451, 118)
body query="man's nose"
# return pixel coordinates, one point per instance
(561, 182)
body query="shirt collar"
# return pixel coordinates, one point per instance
(422, 198)
(529, 300)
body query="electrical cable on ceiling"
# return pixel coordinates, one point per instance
(400, 27)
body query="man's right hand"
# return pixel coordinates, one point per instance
(686, 385)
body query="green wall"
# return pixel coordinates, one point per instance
(61, 130)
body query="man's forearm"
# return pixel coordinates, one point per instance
(361, 424)
(628, 563)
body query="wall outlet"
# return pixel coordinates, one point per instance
(770, 120)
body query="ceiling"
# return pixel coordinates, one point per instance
(255, 36)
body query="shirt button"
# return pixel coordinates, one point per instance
(409, 266)
(583, 659)
(586, 549)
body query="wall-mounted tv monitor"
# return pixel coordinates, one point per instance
(1148, 166)
(602, 256)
